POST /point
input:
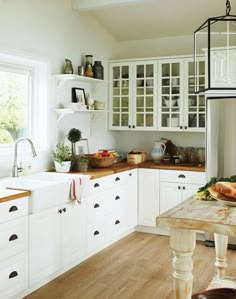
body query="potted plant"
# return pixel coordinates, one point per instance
(62, 157)
(74, 136)
(83, 164)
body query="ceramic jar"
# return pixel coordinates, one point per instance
(158, 151)
(89, 71)
(98, 70)
(68, 68)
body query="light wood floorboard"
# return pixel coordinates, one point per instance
(137, 267)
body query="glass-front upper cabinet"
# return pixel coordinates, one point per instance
(120, 95)
(170, 107)
(179, 108)
(195, 108)
(145, 104)
(133, 95)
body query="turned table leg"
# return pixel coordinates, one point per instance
(182, 242)
(221, 243)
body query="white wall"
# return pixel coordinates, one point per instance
(51, 29)
(171, 46)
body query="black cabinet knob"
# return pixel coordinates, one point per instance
(60, 211)
(185, 127)
(13, 274)
(64, 209)
(13, 209)
(181, 127)
(129, 126)
(133, 127)
(179, 187)
(13, 237)
(184, 188)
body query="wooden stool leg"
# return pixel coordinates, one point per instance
(182, 242)
(221, 243)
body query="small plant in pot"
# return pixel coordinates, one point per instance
(62, 157)
(83, 164)
(74, 136)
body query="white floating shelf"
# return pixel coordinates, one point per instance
(65, 77)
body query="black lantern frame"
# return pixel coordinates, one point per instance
(218, 41)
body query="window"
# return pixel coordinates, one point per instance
(24, 105)
(15, 99)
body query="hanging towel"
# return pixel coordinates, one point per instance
(79, 187)
(76, 189)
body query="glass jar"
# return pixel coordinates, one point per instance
(89, 71)
(68, 68)
(88, 60)
(98, 70)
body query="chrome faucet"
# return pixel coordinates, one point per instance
(16, 169)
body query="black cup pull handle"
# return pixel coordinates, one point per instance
(181, 176)
(13, 209)
(117, 179)
(13, 237)
(13, 274)
(117, 197)
(96, 206)
(117, 222)
(96, 185)
(96, 233)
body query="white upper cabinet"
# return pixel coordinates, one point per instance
(179, 109)
(133, 95)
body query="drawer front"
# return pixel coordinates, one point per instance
(13, 275)
(123, 177)
(115, 226)
(13, 237)
(100, 185)
(191, 177)
(12, 209)
(96, 238)
(95, 209)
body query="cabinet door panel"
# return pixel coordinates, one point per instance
(170, 195)
(148, 196)
(73, 232)
(44, 244)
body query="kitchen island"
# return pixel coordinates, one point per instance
(183, 221)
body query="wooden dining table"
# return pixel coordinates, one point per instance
(183, 221)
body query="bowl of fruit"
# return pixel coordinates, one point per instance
(103, 158)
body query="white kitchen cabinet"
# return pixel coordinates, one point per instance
(176, 186)
(13, 247)
(111, 209)
(179, 109)
(132, 95)
(56, 238)
(148, 196)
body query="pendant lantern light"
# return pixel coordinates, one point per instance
(216, 38)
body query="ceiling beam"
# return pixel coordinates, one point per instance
(87, 5)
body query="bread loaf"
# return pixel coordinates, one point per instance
(217, 195)
(226, 188)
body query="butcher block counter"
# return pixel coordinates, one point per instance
(183, 221)
(10, 194)
(123, 166)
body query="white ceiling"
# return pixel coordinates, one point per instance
(145, 19)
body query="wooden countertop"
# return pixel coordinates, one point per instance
(10, 194)
(123, 166)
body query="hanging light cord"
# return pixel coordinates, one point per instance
(228, 7)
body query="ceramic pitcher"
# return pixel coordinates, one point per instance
(158, 151)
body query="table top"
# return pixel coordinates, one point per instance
(211, 216)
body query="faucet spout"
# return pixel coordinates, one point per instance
(16, 169)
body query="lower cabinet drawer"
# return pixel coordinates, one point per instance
(13, 209)
(115, 226)
(96, 238)
(13, 276)
(13, 237)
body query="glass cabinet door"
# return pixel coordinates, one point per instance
(144, 110)
(170, 105)
(120, 95)
(196, 104)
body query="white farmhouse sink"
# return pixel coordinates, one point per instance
(45, 193)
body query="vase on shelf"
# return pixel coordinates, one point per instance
(98, 70)
(89, 71)
(68, 68)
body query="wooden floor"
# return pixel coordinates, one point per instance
(138, 267)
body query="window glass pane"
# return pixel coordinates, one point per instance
(14, 106)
